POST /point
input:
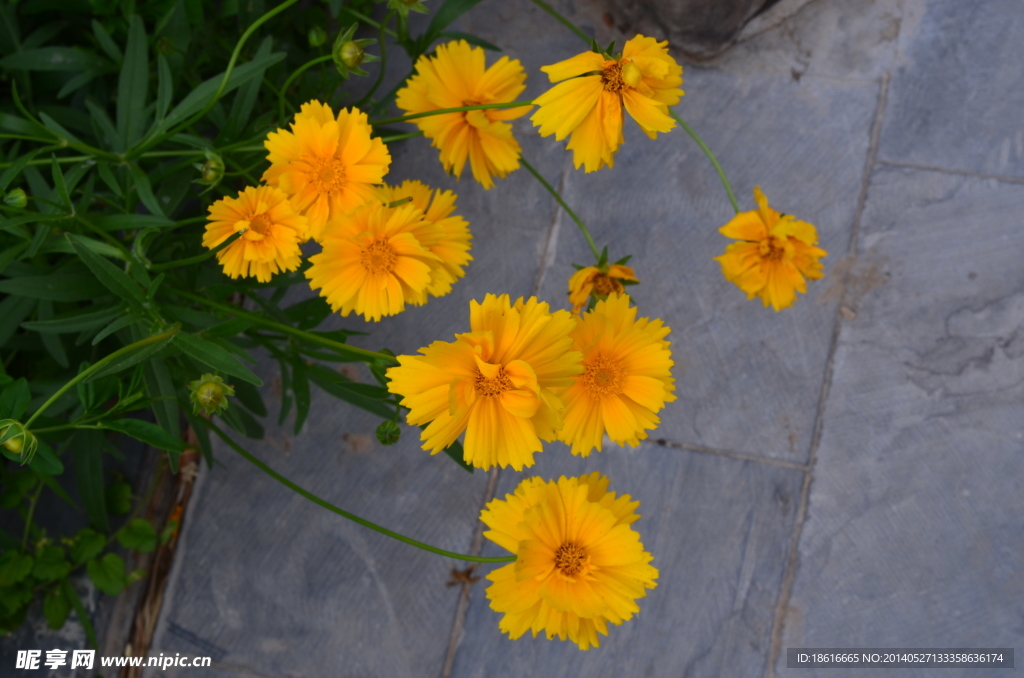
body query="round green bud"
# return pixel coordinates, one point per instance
(388, 433)
(16, 198)
(209, 394)
(351, 54)
(317, 36)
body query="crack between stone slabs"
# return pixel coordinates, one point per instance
(778, 623)
(955, 172)
(546, 261)
(739, 456)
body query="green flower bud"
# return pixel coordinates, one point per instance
(18, 440)
(403, 7)
(211, 171)
(317, 36)
(16, 198)
(388, 433)
(210, 394)
(350, 54)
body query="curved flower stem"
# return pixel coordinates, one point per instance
(554, 193)
(400, 137)
(199, 257)
(28, 517)
(360, 353)
(368, 21)
(293, 77)
(342, 512)
(565, 22)
(135, 152)
(441, 111)
(383, 61)
(711, 157)
(100, 364)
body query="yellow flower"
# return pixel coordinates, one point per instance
(588, 104)
(626, 377)
(579, 564)
(444, 234)
(328, 166)
(593, 281)
(775, 253)
(454, 78)
(499, 382)
(271, 233)
(371, 262)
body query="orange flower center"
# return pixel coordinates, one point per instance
(602, 376)
(570, 559)
(619, 75)
(772, 248)
(605, 284)
(328, 174)
(493, 387)
(261, 223)
(379, 258)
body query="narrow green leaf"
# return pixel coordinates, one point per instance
(45, 461)
(7, 256)
(151, 434)
(250, 397)
(74, 322)
(145, 191)
(132, 85)
(16, 167)
(102, 124)
(87, 453)
(14, 399)
(58, 183)
(13, 310)
(161, 390)
(245, 100)
(56, 607)
(138, 535)
(242, 422)
(69, 285)
(300, 387)
(448, 12)
(57, 128)
(164, 87)
(113, 278)
(368, 397)
(129, 359)
(125, 222)
(111, 181)
(107, 573)
(107, 43)
(53, 59)
(76, 83)
(52, 342)
(115, 325)
(213, 355)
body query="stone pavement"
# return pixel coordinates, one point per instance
(846, 473)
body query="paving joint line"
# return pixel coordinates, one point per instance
(546, 260)
(946, 170)
(739, 456)
(778, 623)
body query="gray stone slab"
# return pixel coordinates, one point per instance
(956, 98)
(748, 378)
(914, 524)
(719, 530)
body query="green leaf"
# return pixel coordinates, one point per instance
(107, 573)
(53, 59)
(107, 175)
(102, 124)
(130, 358)
(145, 191)
(214, 356)
(14, 399)
(119, 498)
(58, 183)
(51, 564)
(368, 397)
(13, 310)
(107, 43)
(164, 87)
(115, 325)
(245, 100)
(56, 128)
(138, 535)
(151, 434)
(128, 222)
(74, 322)
(243, 422)
(87, 545)
(76, 83)
(309, 313)
(161, 390)
(45, 461)
(68, 285)
(449, 11)
(14, 567)
(16, 167)
(56, 607)
(113, 278)
(132, 85)
(250, 397)
(300, 387)
(52, 342)
(87, 453)
(458, 455)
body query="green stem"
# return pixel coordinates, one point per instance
(100, 364)
(400, 137)
(711, 157)
(28, 516)
(368, 21)
(25, 138)
(441, 111)
(383, 61)
(361, 353)
(199, 257)
(565, 22)
(342, 512)
(292, 78)
(135, 152)
(554, 193)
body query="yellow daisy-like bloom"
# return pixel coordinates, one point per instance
(456, 77)
(775, 253)
(327, 165)
(579, 564)
(499, 382)
(626, 377)
(271, 233)
(592, 91)
(446, 235)
(593, 281)
(371, 262)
